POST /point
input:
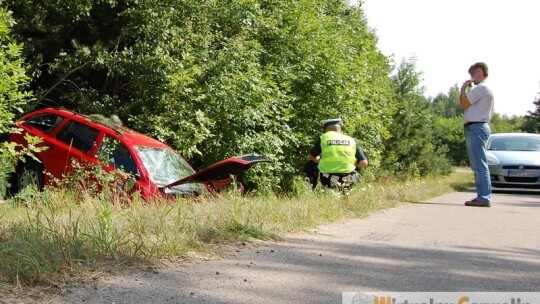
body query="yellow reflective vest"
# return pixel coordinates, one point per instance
(338, 153)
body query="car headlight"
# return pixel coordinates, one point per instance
(492, 159)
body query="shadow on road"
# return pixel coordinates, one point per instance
(318, 271)
(460, 187)
(534, 192)
(404, 269)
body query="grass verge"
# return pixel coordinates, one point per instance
(52, 236)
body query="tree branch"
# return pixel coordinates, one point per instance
(62, 80)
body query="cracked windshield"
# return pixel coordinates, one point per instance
(165, 167)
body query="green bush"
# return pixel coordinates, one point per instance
(411, 150)
(13, 96)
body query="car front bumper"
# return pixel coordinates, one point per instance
(518, 176)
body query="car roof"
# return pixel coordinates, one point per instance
(515, 135)
(138, 139)
(130, 136)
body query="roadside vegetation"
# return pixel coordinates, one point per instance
(215, 80)
(47, 238)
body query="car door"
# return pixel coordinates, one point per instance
(44, 126)
(75, 142)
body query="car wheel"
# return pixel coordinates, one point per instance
(28, 174)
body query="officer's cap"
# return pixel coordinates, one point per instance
(333, 121)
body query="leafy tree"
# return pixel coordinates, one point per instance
(447, 105)
(214, 78)
(506, 124)
(532, 120)
(13, 94)
(450, 138)
(411, 147)
(13, 79)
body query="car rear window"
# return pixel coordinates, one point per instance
(78, 135)
(45, 122)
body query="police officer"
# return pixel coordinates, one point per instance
(338, 156)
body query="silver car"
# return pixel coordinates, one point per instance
(514, 160)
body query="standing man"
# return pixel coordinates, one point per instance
(338, 156)
(478, 105)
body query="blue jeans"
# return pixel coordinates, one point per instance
(476, 136)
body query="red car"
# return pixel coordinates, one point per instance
(156, 167)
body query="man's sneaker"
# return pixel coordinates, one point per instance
(477, 203)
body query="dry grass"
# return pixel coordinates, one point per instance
(48, 237)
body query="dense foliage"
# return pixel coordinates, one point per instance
(220, 78)
(411, 147)
(13, 95)
(13, 78)
(532, 120)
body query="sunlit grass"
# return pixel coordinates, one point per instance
(49, 236)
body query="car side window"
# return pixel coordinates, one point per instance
(113, 153)
(78, 135)
(45, 122)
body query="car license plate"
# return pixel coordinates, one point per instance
(522, 173)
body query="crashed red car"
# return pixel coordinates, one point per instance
(154, 166)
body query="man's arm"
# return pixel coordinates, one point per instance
(315, 158)
(362, 164)
(464, 101)
(315, 153)
(361, 157)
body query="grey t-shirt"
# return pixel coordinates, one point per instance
(481, 108)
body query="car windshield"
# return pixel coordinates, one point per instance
(165, 167)
(515, 143)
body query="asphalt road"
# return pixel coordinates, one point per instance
(437, 245)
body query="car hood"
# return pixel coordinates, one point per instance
(223, 172)
(517, 157)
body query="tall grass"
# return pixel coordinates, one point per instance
(47, 237)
